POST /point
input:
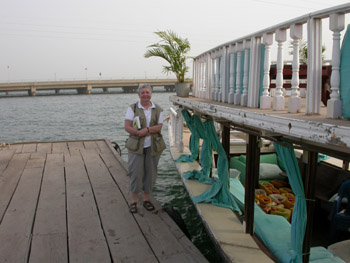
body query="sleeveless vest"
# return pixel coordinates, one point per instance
(157, 142)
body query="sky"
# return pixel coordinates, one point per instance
(53, 40)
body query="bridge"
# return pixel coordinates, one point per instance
(85, 86)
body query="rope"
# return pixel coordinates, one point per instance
(4, 144)
(117, 148)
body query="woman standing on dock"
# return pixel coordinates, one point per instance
(143, 122)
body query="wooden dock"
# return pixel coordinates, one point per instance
(68, 202)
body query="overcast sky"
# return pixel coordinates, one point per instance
(43, 40)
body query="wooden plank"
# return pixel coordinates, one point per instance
(60, 147)
(4, 146)
(38, 155)
(103, 146)
(166, 246)
(309, 188)
(75, 147)
(16, 226)
(225, 141)
(252, 172)
(90, 145)
(115, 154)
(17, 147)
(118, 172)
(186, 244)
(54, 159)
(121, 229)
(44, 147)
(49, 242)
(33, 163)
(86, 240)
(5, 157)
(49, 248)
(9, 179)
(29, 148)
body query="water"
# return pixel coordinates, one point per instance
(99, 116)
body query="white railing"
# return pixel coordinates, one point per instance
(176, 129)
(231, 72)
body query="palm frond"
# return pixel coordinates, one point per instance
(174, 50)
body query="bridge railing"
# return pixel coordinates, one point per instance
(238, 72)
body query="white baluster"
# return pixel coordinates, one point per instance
(254, 72)
(244, 97)
(237, 97)
(195, 79)
(172, 127)
(279, 100)
(232, 78)
(314, 66)
(334, 104)
(218, 80)
(207, 76)
(224, 76)
(265, 99)
(202, 76)
(294, 102)
(179, 131)
(213, 79)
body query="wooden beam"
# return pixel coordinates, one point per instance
(252, 170)
(226, 141)
(309, 185)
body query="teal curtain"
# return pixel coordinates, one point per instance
(193, 122)
(194, 142)
(345, 74)
(219, 193)
(299, 216)
(322, 157)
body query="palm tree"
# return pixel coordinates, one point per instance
(174, 50)
(303, 51)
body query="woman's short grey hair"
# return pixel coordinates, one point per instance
(144, 86)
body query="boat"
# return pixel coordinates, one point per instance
(232, 94)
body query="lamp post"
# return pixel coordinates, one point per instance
(86, 73)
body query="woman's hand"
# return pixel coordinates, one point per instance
(144, 132)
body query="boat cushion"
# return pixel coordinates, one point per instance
(264, 158)
(322, 255)
(238, 162)
(275, 231)
(240, 166)
(270, 171)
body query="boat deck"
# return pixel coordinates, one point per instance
(330, 136)
(222, 224)
(68, 202)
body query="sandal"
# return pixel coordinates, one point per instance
(148, 205)
(133, 208)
